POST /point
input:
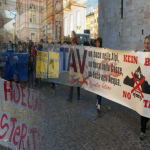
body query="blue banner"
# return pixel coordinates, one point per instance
(7, 63)
(64, 59)
(21, 67)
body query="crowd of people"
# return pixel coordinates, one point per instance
(31, 49)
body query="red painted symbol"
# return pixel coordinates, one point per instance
(137, 85)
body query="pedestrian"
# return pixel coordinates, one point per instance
(86, 42)
(31, 68)
(40, 48)
(28, 49)
(98, 103)
(73, 41)
(99, 44)
(144, 120)
(9, 46)
(78, 40)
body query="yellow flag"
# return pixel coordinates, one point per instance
(53, 65)
(41, 64)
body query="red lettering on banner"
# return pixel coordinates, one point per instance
(96, 85)
(126, 95)
(41, 141)
(29, 105)
(16, 101)
(13, 120)
(17, 133)
(28, 144)
(24, 126)
(3, 126)
(125, 58)
(7, 90)
(69, 81)
(23, 95)
(104, 86)
(145, 103)
(130, 59)
(33, 131)
(147, 62)
(83, 82)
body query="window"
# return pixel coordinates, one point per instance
(65, 26)
(60, 22)
(71, 23)
(78, 24)
(32, 11)
(49, 31)
(121, 9)
(33, 37)
(56, 31)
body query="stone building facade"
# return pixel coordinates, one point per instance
(52, 20)
(28, 20)
(123, 24)
(96, 23)
(90, 24)
(75, 17)
(6, 16)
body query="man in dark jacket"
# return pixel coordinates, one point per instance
(40, 48)
(144, 120)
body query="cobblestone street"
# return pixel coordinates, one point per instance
(76, 126)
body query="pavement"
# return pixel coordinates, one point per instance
(76, 126)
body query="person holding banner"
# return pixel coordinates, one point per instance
(40, 48)
(7, 68)
(86, 42)
(144, 120)
(73, 42)
(31, 68)
(98, 104)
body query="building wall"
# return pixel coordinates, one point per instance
(90, 24)
(25, 28)
(81, 21)
(96, 23)
(5, 35)
(126, 33)
(52, 20)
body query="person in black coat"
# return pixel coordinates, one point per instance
(74, 42)
(86, 43)
(144, 120)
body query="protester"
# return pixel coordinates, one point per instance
(31, 68)
(20, 50)
(144, 120)
(98, 104)
(78, 40)
(9, 45)
(17, 76)
(73, 42)
(7, 68)
(86, 43)
(40, 48)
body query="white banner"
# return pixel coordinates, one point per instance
(22, 111)
(120, 76)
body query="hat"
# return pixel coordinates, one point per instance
(42, 40)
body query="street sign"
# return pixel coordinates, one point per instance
(27, 39)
